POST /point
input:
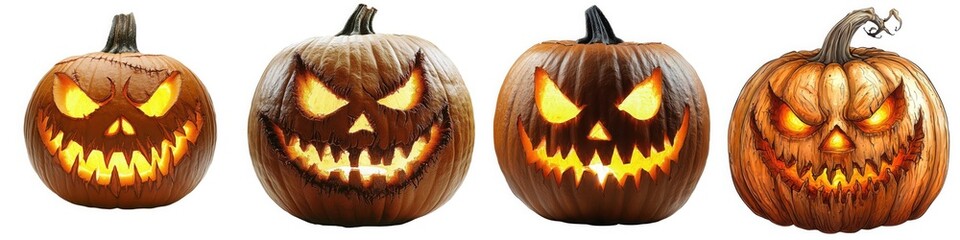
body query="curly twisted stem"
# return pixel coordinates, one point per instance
(836, 46)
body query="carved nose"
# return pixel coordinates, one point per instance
(837, 141)
(361, 124)
(599, 133)
(120, 125)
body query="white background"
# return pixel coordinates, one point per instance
(229, 44)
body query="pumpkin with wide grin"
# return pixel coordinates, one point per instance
(120, 128)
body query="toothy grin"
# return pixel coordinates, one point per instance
(126, 167)
(359, 167)
(619, 167)
(858, 177)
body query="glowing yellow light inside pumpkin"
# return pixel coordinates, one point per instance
(113, 129)
(644, 101)
(126, 127)
(553, 105)
(837, 141)
(790, 122)
(881, 115)
(407, 96)
(163, 98)
(599, 133)
(315, 98)
(97, 167)
(361, 124)
(70, 99)
(557, 164)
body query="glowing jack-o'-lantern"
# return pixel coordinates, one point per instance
(839, 138)
(119, 128)
(361, 128)
(602, 131)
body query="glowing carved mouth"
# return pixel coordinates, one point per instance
(837, 180)
(103, 166)
(359, 167)
(636, 164)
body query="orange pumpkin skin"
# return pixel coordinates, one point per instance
(120, 80)
(360, 68)
(839, 138)
(596, 75)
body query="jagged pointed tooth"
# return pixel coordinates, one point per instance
(886, 158)
(657, 145)
(564, 150)
(644, 148)
(817, 171)
(832, 172)
(789, 161)
(378, 181)
(892, 176)
(375, 155)
(400, 175)
(801, 171)
(336, 152)
(605, 153)
(354, 156)
(137, 182)
(405, 150)
(858, 167)
(388, 156)
(552, 148)
(356, 179)
(625, 151)
(114, 182)
(337, 174)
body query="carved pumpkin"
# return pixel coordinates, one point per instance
(840, 138)
(602, 131)
(361, 128)
(119, 128)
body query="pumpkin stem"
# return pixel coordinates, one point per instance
(360, 23)
(598, 29)
(123, 35)
(836, 47)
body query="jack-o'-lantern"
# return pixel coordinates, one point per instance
(602, 131)
(839, 138)
(119, 128)
(361, 128)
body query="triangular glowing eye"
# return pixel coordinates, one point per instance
(408, 95)
(316, 99)
(163, 98)
(644, 101)
(554, 106)
(70, 99)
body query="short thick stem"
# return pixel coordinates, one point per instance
(123, 35)
(360, 22)
(598, 29)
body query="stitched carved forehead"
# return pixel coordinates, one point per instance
(112, 73)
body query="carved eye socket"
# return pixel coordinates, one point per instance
(552, 104)
(408, 95)
(315, 98)
(883, 118)
(163, 98)
(70, 99)
(789, 123)
(644, 101)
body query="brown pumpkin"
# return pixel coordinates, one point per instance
(839, 138)
(361, 128)
(602, 131)
(119, 128)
